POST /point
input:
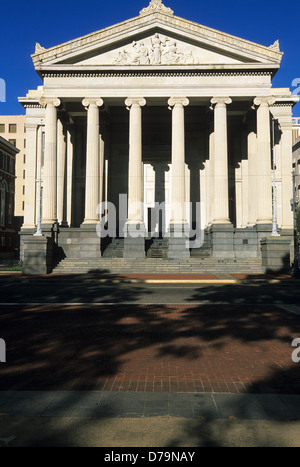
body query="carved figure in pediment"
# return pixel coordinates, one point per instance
(170, 54)
(122, 58)
(160, 51)
(140, 55)
(156, 50)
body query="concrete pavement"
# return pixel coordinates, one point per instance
(215, 371)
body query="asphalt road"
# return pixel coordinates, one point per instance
(89, 290)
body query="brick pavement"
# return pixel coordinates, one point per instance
(157, 348)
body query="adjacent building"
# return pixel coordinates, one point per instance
(8, 235)
(158, 128)
(12, 128)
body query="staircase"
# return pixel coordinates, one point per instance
(205, 251)
(157, 248)
(114, 249)
(150, 265)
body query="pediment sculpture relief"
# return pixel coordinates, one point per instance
(161, 51)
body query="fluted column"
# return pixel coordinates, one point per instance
(61, 173)
(252, 180)
(135, 169)
(263, 168)
(50, 163)
(70, 174)
(92, 185)
(178, 217)
(220, 161)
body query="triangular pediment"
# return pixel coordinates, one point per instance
(155, 38)
(157, 48)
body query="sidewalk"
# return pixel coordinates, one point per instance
(230, 278)
(149, 375)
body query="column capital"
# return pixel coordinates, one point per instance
(221, 101)
(184, 101)
(130, 101)
(44, 101)
(87, 101)
(264, 101)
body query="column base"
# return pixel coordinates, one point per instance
(37, 255)
(222, 240)
(178, 243)
(276, 255)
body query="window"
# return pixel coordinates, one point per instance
(23, 205)
(24, 159)
(23, 189)
(3, 204)
(2, 127)
(12, 128)
(13, 142)
(24, 143)
(24, 174)
(3, 240)
(4, 162)
(10, 203)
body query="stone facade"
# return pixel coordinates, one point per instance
(8, 235)
(175, 117)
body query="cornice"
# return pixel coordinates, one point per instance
(156, 18)
(148, 73)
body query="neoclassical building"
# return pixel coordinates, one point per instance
(157, 128)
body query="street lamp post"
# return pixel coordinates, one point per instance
(294, 205)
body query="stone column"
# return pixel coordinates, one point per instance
(92, 189)
(50, 163)
(222, 228)
(135, 172)
(220, 158)
(252, 180)
(178, 218)
(263, 167)
(134, 245)
(70, 174)
(31, 168)
(178, 244)
(61, 173)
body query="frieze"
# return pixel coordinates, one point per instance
(161, 51)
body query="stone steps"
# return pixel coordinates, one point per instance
(158, 265)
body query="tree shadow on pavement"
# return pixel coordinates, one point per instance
(241, 346)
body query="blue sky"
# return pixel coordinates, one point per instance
(23, 23)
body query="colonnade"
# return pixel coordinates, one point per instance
(259, 159)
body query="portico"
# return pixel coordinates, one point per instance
(169, 115)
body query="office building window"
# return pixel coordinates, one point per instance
(2, 127)
(3, 204)
(10, 203)
(12, 128)
(13, 141)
